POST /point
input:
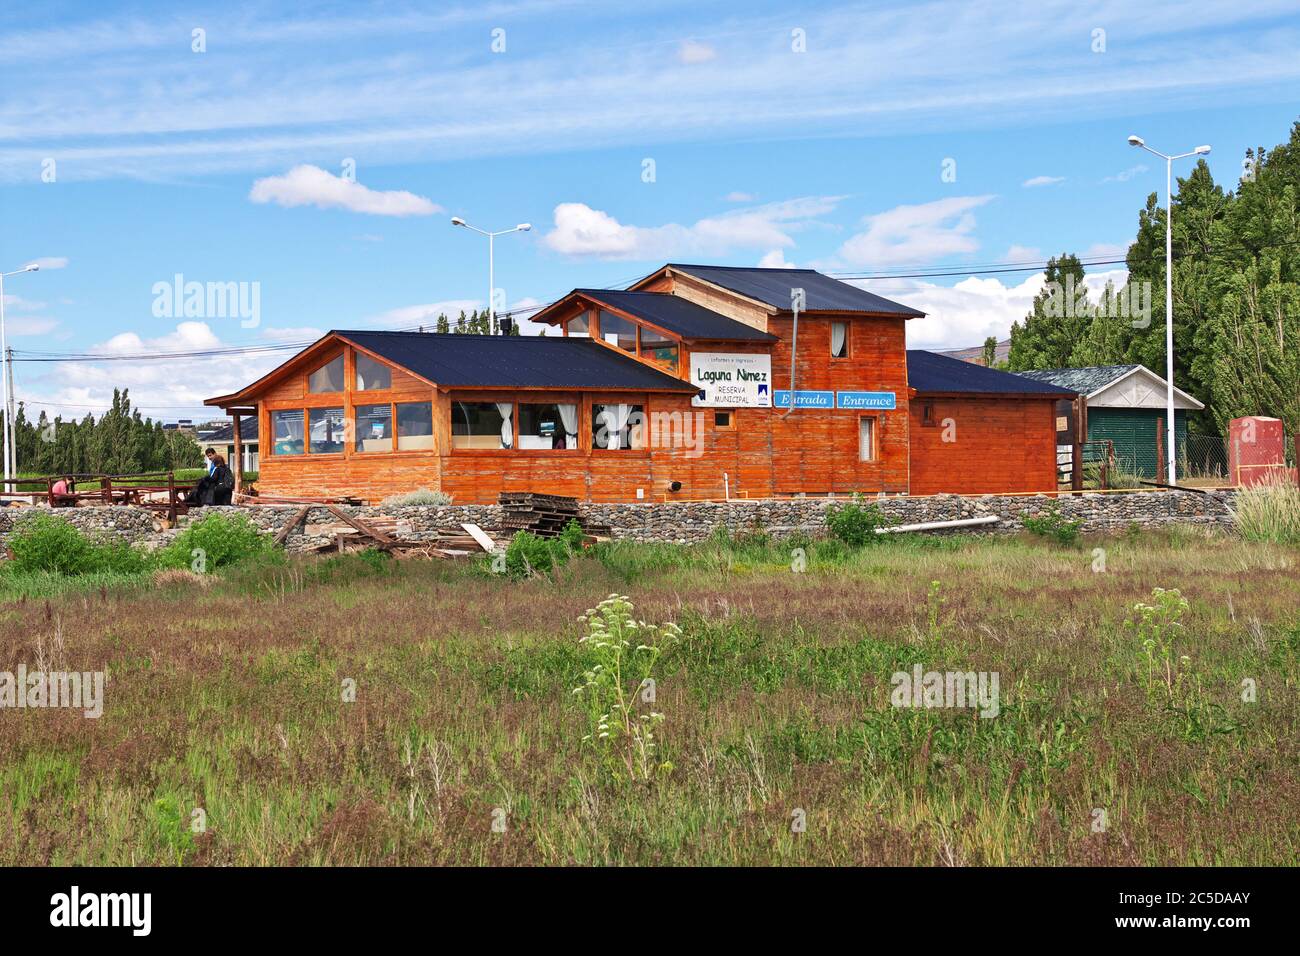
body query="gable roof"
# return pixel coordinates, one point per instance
(514, 361)
(679, 316)
(772, 287)
(1098, 381)
(1085, 380)
(932, 372)
(226, 433)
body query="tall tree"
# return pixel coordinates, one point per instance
(1058, 320)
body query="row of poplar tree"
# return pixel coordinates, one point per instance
(119, 442)
(1236, 288)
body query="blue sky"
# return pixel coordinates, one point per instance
(319, 151)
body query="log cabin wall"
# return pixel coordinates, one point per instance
(817, 451)
(370, 475)
(999, 445)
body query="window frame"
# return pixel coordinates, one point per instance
(730, 426)
(848, 340)
(875, 439)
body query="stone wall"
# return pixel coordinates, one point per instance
(685, 522)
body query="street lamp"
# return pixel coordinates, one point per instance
(1169, 294)
(522, 227)
(9, 466)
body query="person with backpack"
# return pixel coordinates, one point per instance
(222, 481)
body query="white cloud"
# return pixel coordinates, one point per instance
(166, 389)
(1125, 175)
(410, 316)
(1018, 253)
(738, 196)
(1105, 250)
(966, 313)
(582, 231)
(308, 185)
(1042, 181)
(693, 51)
(915, 234)
(25, 325)
(775, 260)
(51, 262)
(108, 97)
(369, 237)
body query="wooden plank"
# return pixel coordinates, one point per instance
(361, 526)
(475, 532)
(296, 520)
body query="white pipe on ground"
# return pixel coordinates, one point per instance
(934, 525)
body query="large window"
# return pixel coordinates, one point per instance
(286, 426)
(372, 374)
(548, 426)
(482, 425)
(617, 427)
(326, 430)
(618, 331)
(414, 426)
(327, 378)
(658, 348)
(374, 428)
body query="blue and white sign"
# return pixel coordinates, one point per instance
(802, 399)
(883, 401)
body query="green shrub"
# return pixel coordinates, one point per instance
(528, 554)
(1052, 524)
(43, 542)
(215, 541)
(855, 523)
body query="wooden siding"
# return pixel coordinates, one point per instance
(1000, 445)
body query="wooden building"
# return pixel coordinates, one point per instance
(679, 388)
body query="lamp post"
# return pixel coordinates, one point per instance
(1138, 141)
(8, 396)
(522, 227)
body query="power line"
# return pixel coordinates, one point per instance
(27, 355)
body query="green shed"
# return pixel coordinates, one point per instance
(1126, 405)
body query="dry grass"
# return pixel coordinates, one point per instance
(228, 698)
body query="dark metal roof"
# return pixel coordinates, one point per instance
(515, 361)
(226, 433)
(931, 372)
(1084, 380)
(680, 316)
(821, 292)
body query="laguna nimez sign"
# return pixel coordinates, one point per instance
(731, 379)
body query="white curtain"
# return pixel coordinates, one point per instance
(838, 331)
(569, 418)
(620, 415)
(507, 410)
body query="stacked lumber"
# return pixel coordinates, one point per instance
(543, 515)
(349, 533)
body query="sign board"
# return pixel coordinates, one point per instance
(804, 399)
(731, 380)
(883, 401)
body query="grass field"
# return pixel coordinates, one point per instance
(778, 742)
